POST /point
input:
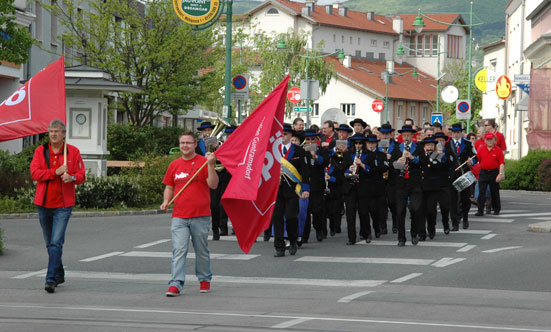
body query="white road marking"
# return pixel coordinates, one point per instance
(500, 249)
(151, 244)
(290, 323)
(524, 215)
(542, 218)
(234, 238)
(365, 260)
(406, 278)
(488, 237)
(351, 297)
(96, 258)
(491, 220)
(466, 248)
(249, 315)
(167, 254)
(446, 261)
(466, 231)
(420, 244)
(502, 211)
(31, 274)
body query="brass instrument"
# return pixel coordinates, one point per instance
(212, 140)
(384, 146)
(338, 153)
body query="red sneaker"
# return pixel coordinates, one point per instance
(172, 291)
(205, 287)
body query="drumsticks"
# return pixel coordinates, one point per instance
(466, 161)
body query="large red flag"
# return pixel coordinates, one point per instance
(252, 155)
(29, 110)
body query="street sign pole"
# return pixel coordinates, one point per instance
(228, 77)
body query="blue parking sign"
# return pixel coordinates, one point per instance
(437, 117)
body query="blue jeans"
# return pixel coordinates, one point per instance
(476, 191)
(198, 228)
(54, 223)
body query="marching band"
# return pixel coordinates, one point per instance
(371, 173)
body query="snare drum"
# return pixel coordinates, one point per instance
(464, 181)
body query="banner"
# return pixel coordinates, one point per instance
(29, 110)
(252, 155)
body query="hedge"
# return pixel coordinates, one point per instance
(523, 174)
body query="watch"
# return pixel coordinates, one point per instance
(73, 178)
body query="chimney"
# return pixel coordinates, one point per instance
(329, 9)
(398, 24)
(336, 5)
(371, 16)
(390, 66)
(347, 61)
(343, 11)
(305, 11)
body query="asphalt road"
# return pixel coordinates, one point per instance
(494, 277)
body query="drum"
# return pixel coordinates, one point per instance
(464, 181)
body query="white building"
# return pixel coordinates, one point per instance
(494, 61)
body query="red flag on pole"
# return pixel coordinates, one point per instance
(30, 109)
(252, 155)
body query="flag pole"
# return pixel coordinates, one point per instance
(64, 152)
(188, 182)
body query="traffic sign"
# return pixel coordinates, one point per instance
(437, 118)
(294, 95)
(241, 85)
(503, 87)
(378, 105)
(239, 82)
(302, 109)
(521, 78)
(463, 109)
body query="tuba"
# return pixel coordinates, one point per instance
(213, 141)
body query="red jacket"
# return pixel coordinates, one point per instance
(42, 174)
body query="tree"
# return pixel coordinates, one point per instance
(15, 39)
(145, 45)
(457, 75)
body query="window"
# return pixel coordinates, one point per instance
(349, 109)
(382, 56)
(399, 114)
(316, 109)
(427, 45)
(411, 112)
(272, 11)
(435, 45)
(454, 46)
(386, 44)
(53, 26)
(425, 112)
(373, 42)
(412, 45)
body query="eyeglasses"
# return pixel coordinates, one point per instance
(486, 125)
(187, 143)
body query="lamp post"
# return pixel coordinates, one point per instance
(388, 77)
(340, 56)
(228, 78)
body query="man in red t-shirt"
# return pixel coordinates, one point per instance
(191, 213)
(492, 172)
(55, 195)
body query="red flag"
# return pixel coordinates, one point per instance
(29, 110)
(252, 155)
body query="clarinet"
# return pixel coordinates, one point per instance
(327, 191)
(403, 171)
(355, 173)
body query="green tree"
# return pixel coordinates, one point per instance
(148, 46)
(15, 40)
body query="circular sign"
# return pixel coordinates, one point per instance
(450, 94)
(463, 107)
(196, 12)
(294, 95)
(485, 80)
(503, 87)
(378, 105)
(239, 82)
(80, 119)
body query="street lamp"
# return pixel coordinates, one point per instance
(340, 56)
(387, 78)
(419, 24)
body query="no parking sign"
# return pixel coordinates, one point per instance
(463, 109)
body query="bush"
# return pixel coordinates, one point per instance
(109, 191)
(544, 175)
(523, 174)
(15, 171)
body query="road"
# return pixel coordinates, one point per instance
(493, 277)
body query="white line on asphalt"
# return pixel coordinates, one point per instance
(91, 259)
(466, 231)
(406, 278)
(488, 237)
(31, 274)
(249, 315)
(502, 211)
(234, 238)
(542, 218)
(446, 261)
(524, 215)
(500, 249)
(351, 297)
(420, 244)
(167, 254)
(290, 323)
(466, 248)
(491, 220)
(151, 244)
(365, 260)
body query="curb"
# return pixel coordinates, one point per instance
(540, 227)
(540, 193)
(34, 215)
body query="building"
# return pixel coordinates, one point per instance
(494, 61)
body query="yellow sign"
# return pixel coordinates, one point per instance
(196, 12)
(485, 80)
(503, 87)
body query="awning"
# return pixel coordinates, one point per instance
(523, 104)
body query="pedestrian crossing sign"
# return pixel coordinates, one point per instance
(437, 117)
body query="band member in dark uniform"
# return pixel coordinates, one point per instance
(219, 216)
(459, 151)
(431, 162)
(355, 187)
(287, 202)
(205, 129)
(359, 125)
(319, 159)
(444, 180)
(378, 165)
(407, 176)
(388, 201)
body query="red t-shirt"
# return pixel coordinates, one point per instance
(54, 195)
(479, 143)
(194, 201)
(500, 142)
(490, 159)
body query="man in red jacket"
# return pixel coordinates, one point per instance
(55, 195)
